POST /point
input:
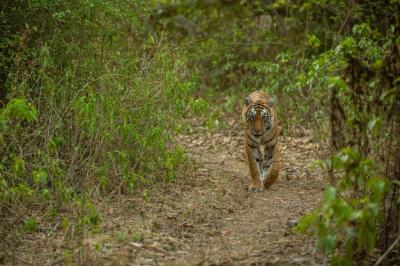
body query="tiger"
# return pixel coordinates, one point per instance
(261, 128)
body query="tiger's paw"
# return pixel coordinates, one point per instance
(256, 188)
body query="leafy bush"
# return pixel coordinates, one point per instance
(349, 218)
(242, 46)
(93, 104)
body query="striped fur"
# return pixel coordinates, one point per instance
(261, 129)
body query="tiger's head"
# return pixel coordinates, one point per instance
(258, 113)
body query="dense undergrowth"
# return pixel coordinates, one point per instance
(89, 107)
(92, 92)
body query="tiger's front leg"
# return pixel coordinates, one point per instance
(271, 165)
(254, 160)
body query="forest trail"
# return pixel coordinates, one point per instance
(211, 218)
(208, 218)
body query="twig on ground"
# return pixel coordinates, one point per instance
(379, 261)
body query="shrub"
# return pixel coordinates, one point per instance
(348, 220)
(93, 104)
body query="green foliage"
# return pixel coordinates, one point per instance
(93, 92)
(19, 110)
(138, 237)
(93, 101)
(332, 65)
(349, 218)
(87, 216)
(39, 177)
(30, 225)
(242, 46)
(146, 195)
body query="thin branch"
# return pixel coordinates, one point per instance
(387, 251)
(344, 23)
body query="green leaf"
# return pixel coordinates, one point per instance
(330, 194)
(356, 215)
(374, 123)
(30, 225)
(388, 93)
(337, 82)
(348, 45)
(18, 166)
(39, 177)
(378, 187)
(344, 158)
(306, 222)
(45, 194)
(329, 243)
(313, 41)
(361, 29)
(20, 109)
(146, 195)
(378, 64)
(344, 210)
(373, 207)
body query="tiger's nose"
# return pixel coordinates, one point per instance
(257, 133)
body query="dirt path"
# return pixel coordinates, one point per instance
(206, 218)
(210, 217)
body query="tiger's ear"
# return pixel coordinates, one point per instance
(247, 100)
(272, 101)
